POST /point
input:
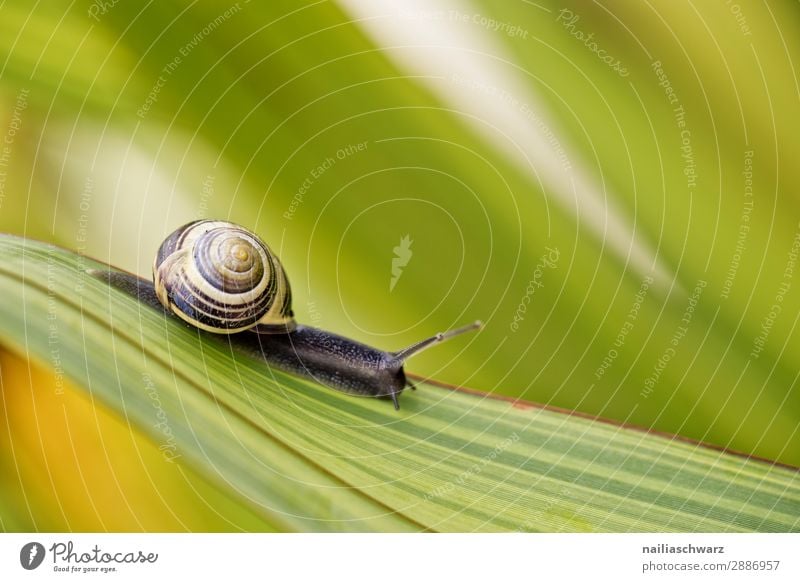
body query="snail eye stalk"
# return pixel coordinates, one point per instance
(416, 348)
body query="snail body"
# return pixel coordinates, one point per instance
(335, 361)
(221, 278)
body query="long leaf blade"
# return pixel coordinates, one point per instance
(316, 460)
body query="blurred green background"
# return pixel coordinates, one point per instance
(624, 142)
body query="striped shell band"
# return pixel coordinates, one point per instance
(222, 278)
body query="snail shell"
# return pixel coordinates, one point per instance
(222, 278)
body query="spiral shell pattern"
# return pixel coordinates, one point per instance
(222, 278)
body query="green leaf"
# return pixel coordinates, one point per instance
(312, 459)
(279, 87)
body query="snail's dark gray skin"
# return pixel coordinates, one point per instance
(205, 267)
(342, 363)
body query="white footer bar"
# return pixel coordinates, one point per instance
(409, 557)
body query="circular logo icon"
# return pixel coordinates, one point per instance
(31, 555)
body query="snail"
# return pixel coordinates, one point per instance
(222, 278)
